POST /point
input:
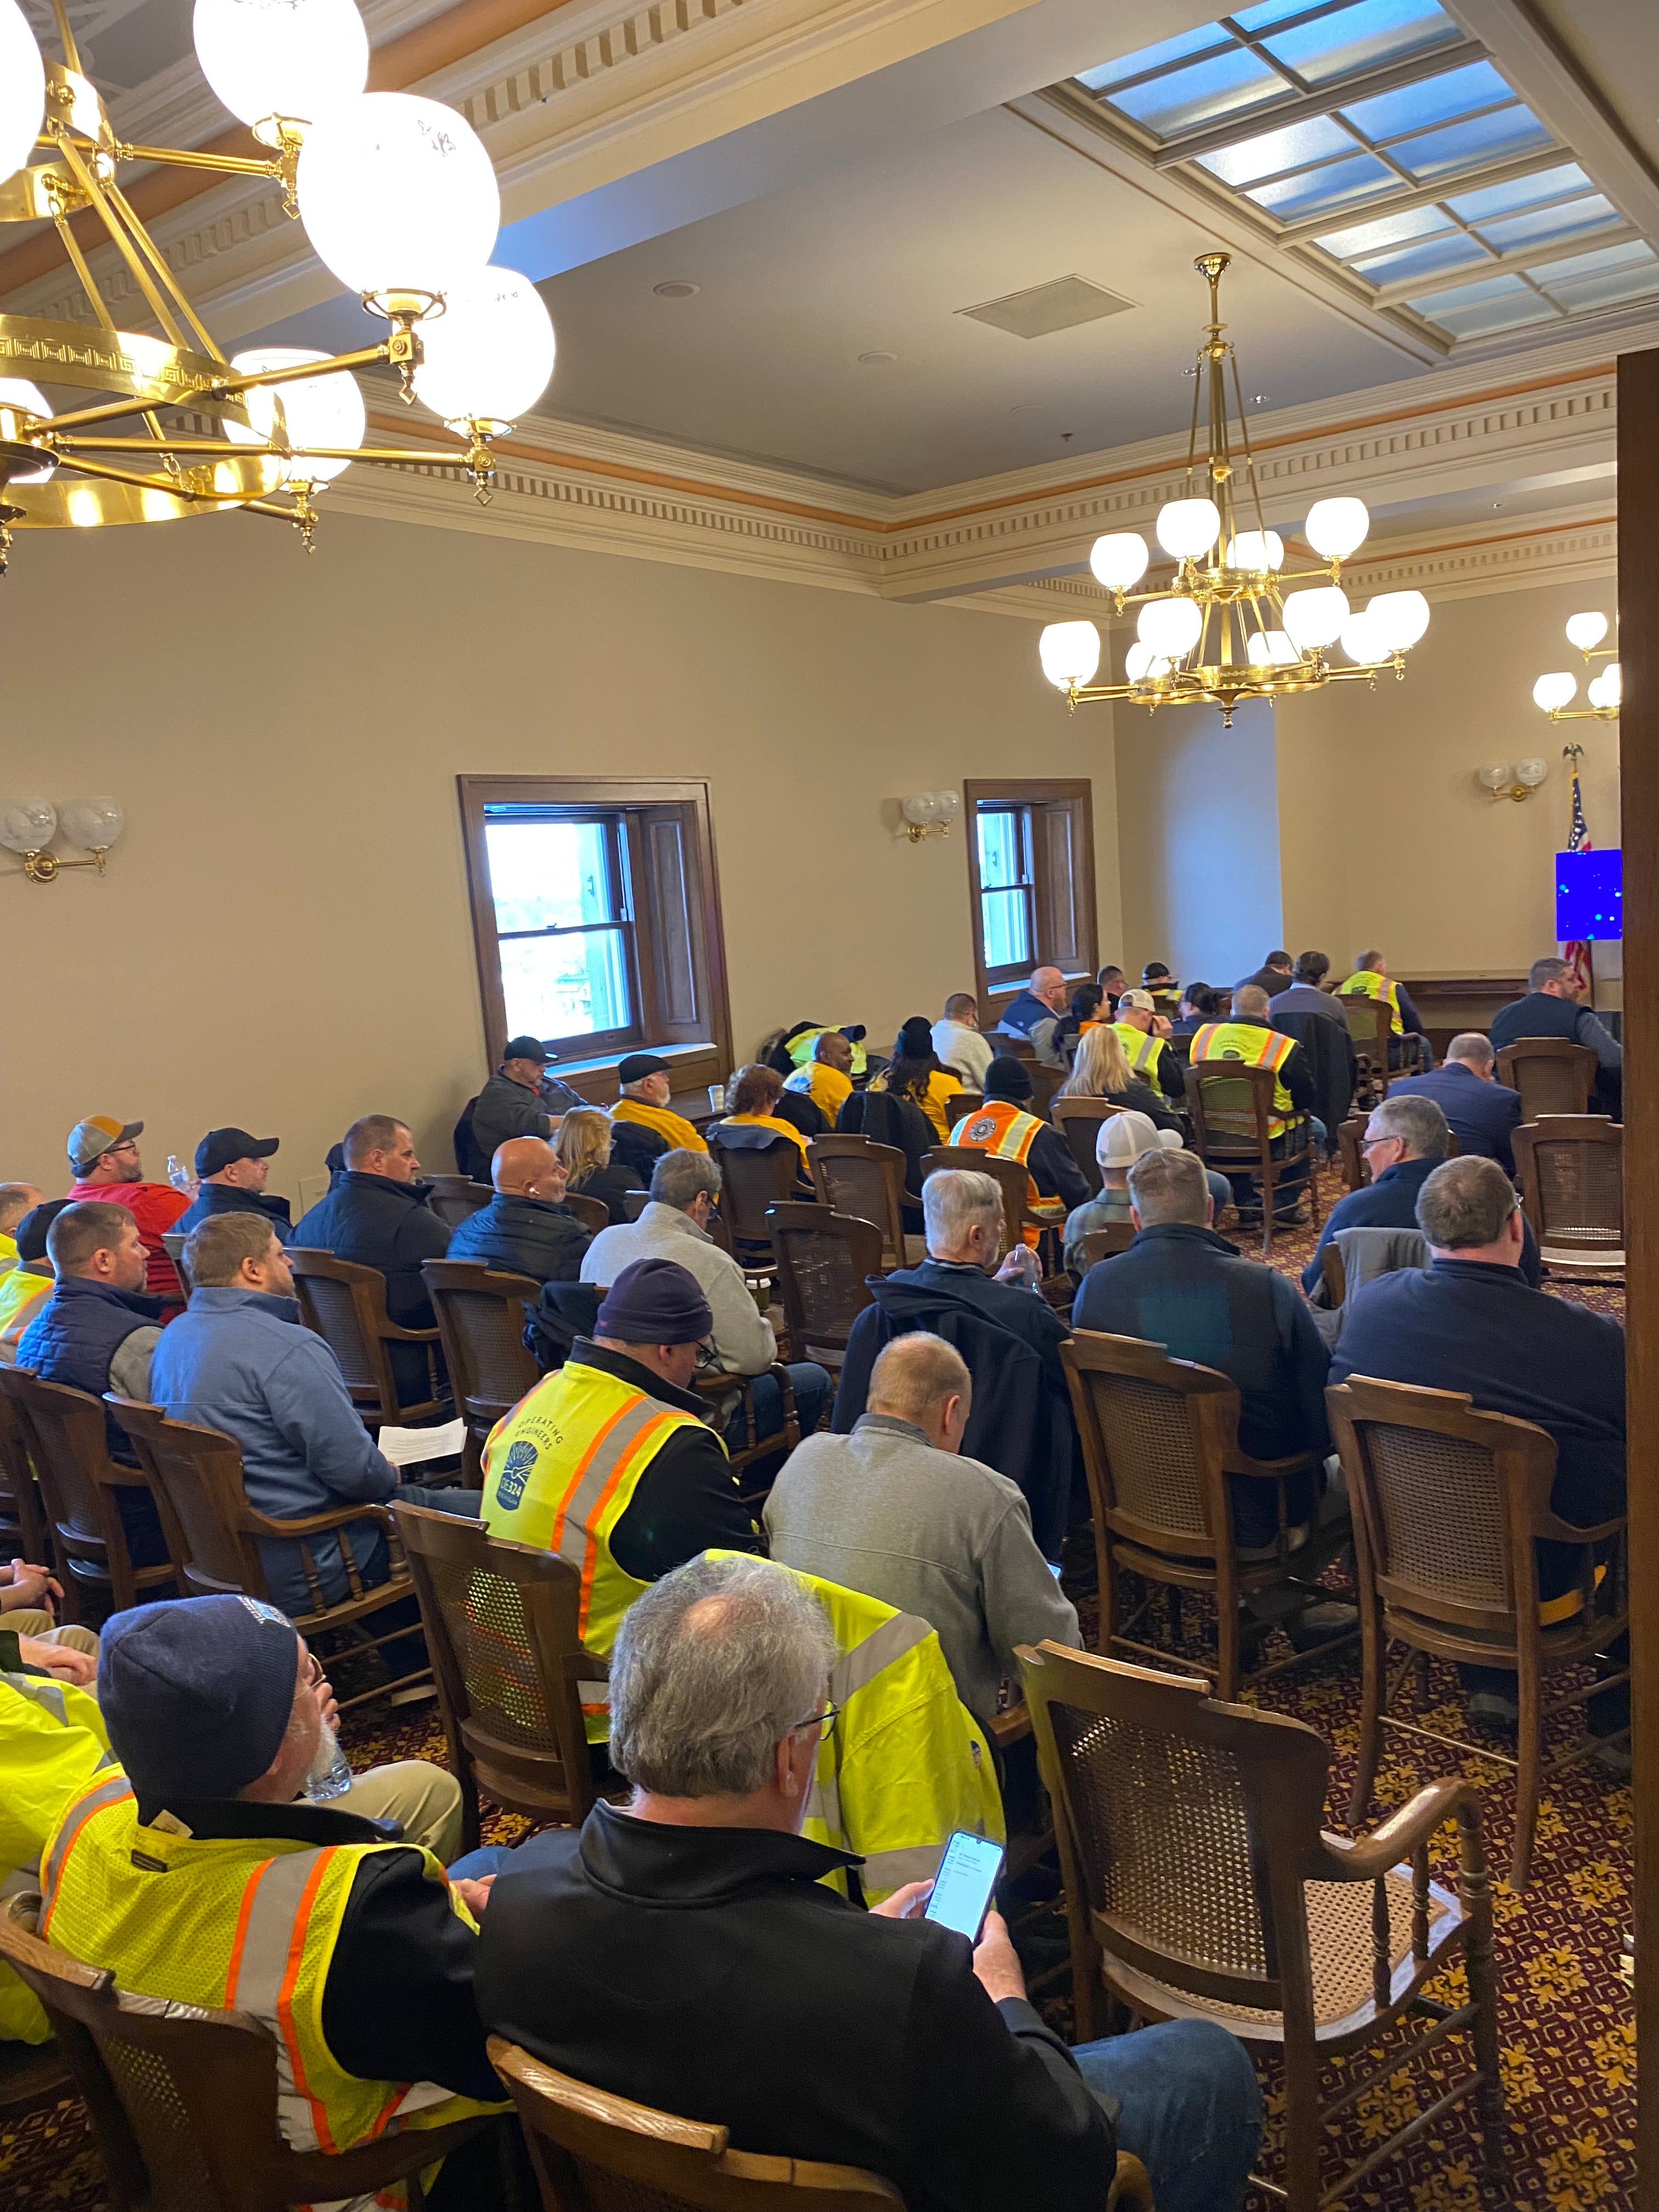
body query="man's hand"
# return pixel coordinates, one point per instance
(996, 1964)
(58, 1659)
(21, 1584)
(1019, 1268)
(475, 1895)
(1161, 1025)
(905, 1902)
(327, 1704)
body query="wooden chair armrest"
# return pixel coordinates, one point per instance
(1240, 1462)
(369, 2167)
(1364, 1859)
(1131, 2188)
(391, 1334)
(1565, 1532)
(124, 1478)
(585, 1665)
(316, 1524)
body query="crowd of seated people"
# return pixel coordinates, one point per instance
(937, 1487)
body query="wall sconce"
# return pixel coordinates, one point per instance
(1518, 783)
(929, 810)
(28, 825)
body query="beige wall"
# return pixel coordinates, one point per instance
(284, 940)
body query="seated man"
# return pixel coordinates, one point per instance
(684, 1187)
(1370, 977)
(1002, 1126)
(1551, 1009)
(1181, 1286)
(234, 1169)
(1032, 1012)
(1248, 1038)
(1471, 1322)
(1482, 1114)
(1405, 1142)
(527, 1228)
(240, 1360)
(22, 1289)
(1119, 1143)
(683, 1951)
(16, 1199)
(960, 1043)
(610, 1461)
(1305, 992)
(1273, 975)
(198, 1873)
(1141, 1030)
(107, 1165)
(646, 1087)
(827, 1078)
(892, 1509)
(511, 1103)
(1310, 1015)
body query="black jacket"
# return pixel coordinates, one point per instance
(504, 1109)
(1141, 1098)
(1332, 1061)
(612, 1183)
(899, 1123)
(1541, 1015)
(376, 1221)
(802, 1113)
(1052, 1169)
(707, 1971)
(220, 1198)
(1390, 1202)
(526, 1235)
(637, 1148)
(1270, 980)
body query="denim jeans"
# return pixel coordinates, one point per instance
(1190, 2109)
(811, 1386)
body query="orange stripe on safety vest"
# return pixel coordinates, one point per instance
(629, 1459)
(66, 1846)
(296, 1946)
(575, 1481)
(244, 1914)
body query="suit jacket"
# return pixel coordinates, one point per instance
(1483, 1116)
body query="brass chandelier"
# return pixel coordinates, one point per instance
(400, 202)
(1226, 629)
(1555, 692)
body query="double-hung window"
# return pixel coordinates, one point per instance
(1031, 876)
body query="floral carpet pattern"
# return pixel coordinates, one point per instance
(1567, 2026)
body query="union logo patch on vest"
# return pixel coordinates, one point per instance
(982, 1126)
(515, 1473)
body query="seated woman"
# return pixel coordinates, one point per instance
(583, 1146)
(900, 1123)
(1102, 1071)
(1198, 1004)
(752, 1103)
(1087, 1001)
(916, 1071)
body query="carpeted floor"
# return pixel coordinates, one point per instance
(1567, 2026)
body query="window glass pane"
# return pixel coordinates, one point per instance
(1207, 92)
(1470, 295)
(557, 986)
(1514, 311)
(1519, 192)
(1425, 260)
(1433, 100)
(1544, 223)
(1588, 265)
(1387, 230)
(1278, 149)
(550, 875)
(1001, 848)
(1151, 57)
(1630, 283)
(1271, 12)
(1006, 918)
(1327, 187)
(1486, 139)
(1359, 37)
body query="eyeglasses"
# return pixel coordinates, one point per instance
(823, 1722)
(1366, 1143)
(314, 1674)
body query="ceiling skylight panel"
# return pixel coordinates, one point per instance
(1387, 230)
(1151, 57)
(1335, 186)
(1515, 312)
(1552, 274)
(1519, 192)
(1289, 148)
(1539, 225)
(1432, 99)
(1639, 280)
(1492, 137)
(1271, 12)
(1205, 92)
(1426, 258)
(1362, 37)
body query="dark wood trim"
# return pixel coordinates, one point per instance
(1076, 792)
(1638, 653)
(694, 1068)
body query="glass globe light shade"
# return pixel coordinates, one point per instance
(397, 194)
(1493, 774)
(22, 88)
(1586, 631)
(1120, 560)
(318, 411)
(920, 807)
(1070, 652)
(489, 355)
(1404, 617)
(1608, 688)
(947, 807)
(1142, 665)
(292, 58)
(1187, 527)
(27, 824)
(1262, 551)
(1171, 627)
(1361, 638)
(1316, 618)
(1335, 527)
(1555, 690)
(18, 391)
(1531, 772)
(92, 823)
(1270, 648)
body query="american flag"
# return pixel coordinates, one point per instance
(1578, 837)
(1578, 954)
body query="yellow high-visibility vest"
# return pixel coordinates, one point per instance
(800, 1049)
(1253, 1047)
(1009, 1133)
(52, 1742)
(560, 1471)
(247, 1923)
(1144, 1051)
(674, 1129)
(1373, 985)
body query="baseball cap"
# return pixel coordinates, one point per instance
(220, 1146)
(1124, 1136)
(655, 1302)
(636, 1067)
(196, 1693)
(31, 1230)
(98, 1133)
(1139, 1002)
(525, 1047)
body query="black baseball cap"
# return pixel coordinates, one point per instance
(637, 1067)
(220, 1146)
(31, 1230)
(525, 1047)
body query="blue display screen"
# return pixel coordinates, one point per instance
(1590, 896)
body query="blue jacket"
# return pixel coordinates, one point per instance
(71, 1340)
(222, 1198)
(524, 1236)
(1483, 1116)
(1023, 1012)
(1390, 1202)
(1538, 1015)
(241, 1361)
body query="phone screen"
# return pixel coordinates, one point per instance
(961, 1888)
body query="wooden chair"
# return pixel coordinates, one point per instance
(1370, 1025)
(1079, 1120)
(751, 1181)
(1553, 1074)
(68, 1442)
(1232, 1109)
(1015, 1180)
(1105, 1244)
(455, 1197)
(173, 1245)
(196, 1475)
(823, 1259)
(594, 2152)
(1200, 1883)
(593, 1212)
(1447, 1505)
(1349, 1145)
(754, 1446)
(345, 1305)
(1160, 1437)
(480, 1323)
(22, 1516)
(852, 1176)
(1334, 1274)
(1572, 1187)
(500, 1623)
(184, 2101)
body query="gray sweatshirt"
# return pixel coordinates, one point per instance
(882, 1511)
(742, 1338)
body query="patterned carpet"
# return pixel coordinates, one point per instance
(1567, 2026)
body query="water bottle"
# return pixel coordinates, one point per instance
(330, 1776)
(179, 1176)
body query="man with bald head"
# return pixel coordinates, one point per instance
(1482, 1113)
(1032, 1012)
(893, 1510)
(527, 1228)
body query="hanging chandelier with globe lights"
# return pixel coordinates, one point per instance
(399, 202)
(1556, 692)
(1226, 628)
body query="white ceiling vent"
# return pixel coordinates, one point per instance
(1060, 306)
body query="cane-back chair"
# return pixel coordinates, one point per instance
(345, 1305)
(1553, 1074)
(751, 1179)
(68, 1440)
(480, 1323)
(456, 1198)
(22, 1513)
(1572, 1186)
(1080, 1121)
(824, 1260)
(1233, 1111)
(854, 1175)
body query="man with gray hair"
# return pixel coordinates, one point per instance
(684, 1951)
(1483, 1113)
(1551, 1009)
(894, 1509)
(685, 1188)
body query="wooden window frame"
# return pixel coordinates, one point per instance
(1072, 796)
(647, 811)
